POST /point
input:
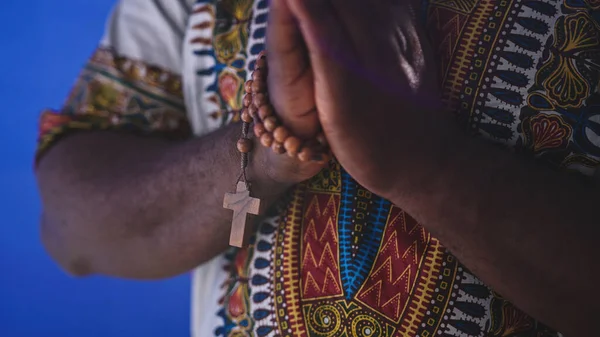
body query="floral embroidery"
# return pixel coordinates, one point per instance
(546, 132)
(561, 76)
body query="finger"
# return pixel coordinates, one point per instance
(349, 40)
(323, 31)
(330, 49)
(379, 30)
(363, 23)
(384, 33)
(290, 75)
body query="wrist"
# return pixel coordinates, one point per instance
(427, 169)
(267, 180)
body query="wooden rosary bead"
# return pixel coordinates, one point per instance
(248, 87)
(246, 117)
(281, 133)
(270, 123)
(270, 131)
(258, 87)
(259, 75)
(247, 100)
(260, 99)
(259, 129)
(244, 145)
(265, 111)
(292, 145)
(306, 154)
(266, 139)
(252, 110)
(261, 63)
(278, 147)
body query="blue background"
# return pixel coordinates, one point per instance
(43, 44)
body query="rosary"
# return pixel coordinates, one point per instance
(271, 133)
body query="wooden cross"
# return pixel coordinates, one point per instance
(241, 203)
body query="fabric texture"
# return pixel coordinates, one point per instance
(331, 258)
(133, 81)
(336, 260)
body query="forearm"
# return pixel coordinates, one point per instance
(527, 231)
(140, 207)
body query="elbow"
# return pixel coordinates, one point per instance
(63, 251)
(60, 237)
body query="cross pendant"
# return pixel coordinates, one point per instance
(241, 203)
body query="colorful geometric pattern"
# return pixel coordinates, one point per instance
(345, 262)
(224, 54)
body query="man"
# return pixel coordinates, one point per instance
(133, 169)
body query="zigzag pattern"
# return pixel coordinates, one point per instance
(446, 42)
(320, 269)
(395, 270)
(463, 6)
(457, 73)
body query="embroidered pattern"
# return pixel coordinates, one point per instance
(224, 54)
(563, 99)
(118, 93)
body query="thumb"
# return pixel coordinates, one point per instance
(291, 86)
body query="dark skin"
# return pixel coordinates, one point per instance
(527, 231)
(138, 207)
(523, 229)
(146, 208)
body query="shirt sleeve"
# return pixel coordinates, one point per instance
(132, 82)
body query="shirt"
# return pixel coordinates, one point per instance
(331, 258)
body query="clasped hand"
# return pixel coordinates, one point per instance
(368, 70)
